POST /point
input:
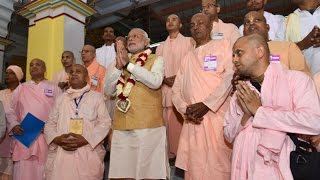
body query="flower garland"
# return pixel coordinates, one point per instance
(124, 91)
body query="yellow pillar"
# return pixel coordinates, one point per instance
(55, 26)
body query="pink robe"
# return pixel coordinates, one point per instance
(228, 31)
(172, 51)
(202, 151)
(86, 162)
(37, 99)
(6, 164)
(60, 76)
(261, 148)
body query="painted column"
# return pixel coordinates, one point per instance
(55, 26)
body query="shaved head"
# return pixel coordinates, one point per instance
(201, 27)
(79, 76)
(257, 40)
(82, 68)
(37, 68)
(173, 16)
(251, 55)
(173, 23)
(255, 22)
(40, 61)
(88, 54)
(89, 47)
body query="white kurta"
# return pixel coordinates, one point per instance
(307, 21)
(105, 55)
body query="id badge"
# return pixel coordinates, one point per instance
(76, 126)
(48, 92)
(217, 35)
(210, 63)
(274, 58)
(94, 80)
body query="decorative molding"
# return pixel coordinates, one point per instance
(31, 10)
(63, 14)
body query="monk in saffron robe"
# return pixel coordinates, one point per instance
(203, 153)
(173, 49)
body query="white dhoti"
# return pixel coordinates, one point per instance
(139, 154)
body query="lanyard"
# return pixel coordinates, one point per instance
(77, 102)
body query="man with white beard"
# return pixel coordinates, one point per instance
(138, 147)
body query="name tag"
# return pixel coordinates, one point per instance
(48, 92)
(94, 80)
(217, 35)
(274, 58)
(76, 126)
(210, 63)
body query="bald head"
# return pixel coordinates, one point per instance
(67, 59)
(201, 27)
(251, 55)
(257, 40)
(39, 61)
(37, 68)
(88, 54)
(78, 76)
(173, 23)
(255, 22)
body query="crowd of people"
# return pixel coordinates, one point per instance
(218, 105)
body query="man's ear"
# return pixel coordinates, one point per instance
(146, 42)
(265, 2)
(260, 51)
(87, 79)
(268, 27)
(218, 8)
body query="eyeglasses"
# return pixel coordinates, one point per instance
(210, 5)
(86, 51)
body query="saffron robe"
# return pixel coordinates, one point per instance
(172, 51)
(203, 152)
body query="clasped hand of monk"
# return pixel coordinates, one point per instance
(169, 81)
(122, 57)
(195, 112)
(248, 99)
(70, 142)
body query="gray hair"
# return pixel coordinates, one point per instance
(144, 33)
